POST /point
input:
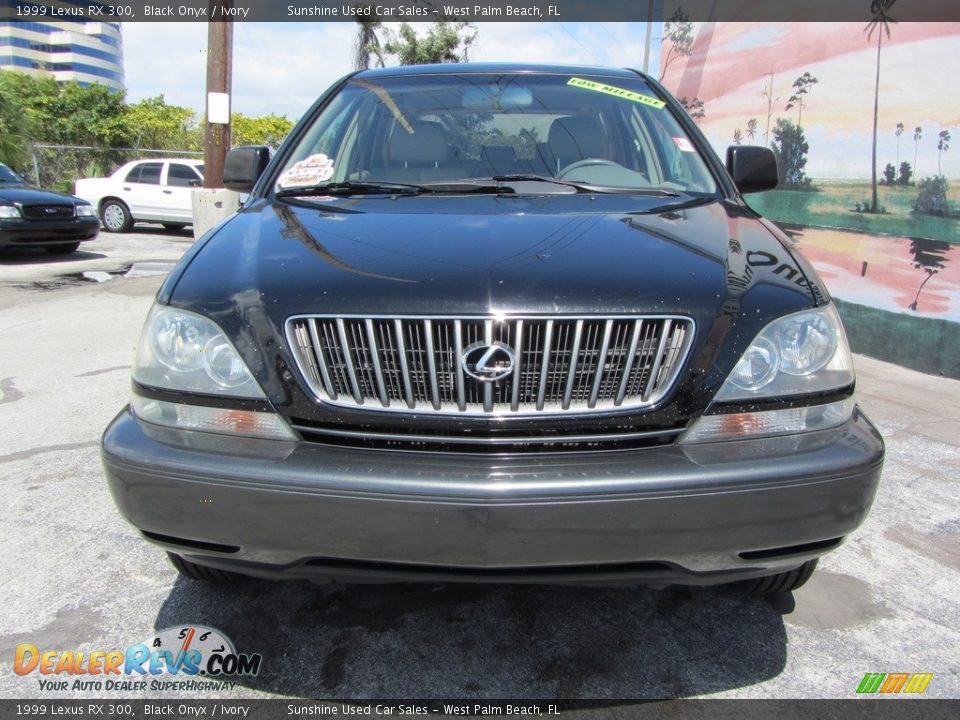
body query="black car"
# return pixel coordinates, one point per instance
(33, 217)
(495, 324)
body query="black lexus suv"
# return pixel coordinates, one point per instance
(495, 323)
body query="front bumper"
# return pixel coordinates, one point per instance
(28, 232)
(698, 514)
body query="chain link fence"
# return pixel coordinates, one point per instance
(56, 167)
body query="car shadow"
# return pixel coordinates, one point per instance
(489, 641)
(155, 229)
(32, 256)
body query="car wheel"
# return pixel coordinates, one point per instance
(201, 572)
(62, 248)
(174, 227)
(115, 216)
(782, 582)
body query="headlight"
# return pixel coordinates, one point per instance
(86, 211)
(806, 352)
(9, 211)
(803, 353)
(183, 351)
(188, 353)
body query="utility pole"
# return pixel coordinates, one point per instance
(219, 75)
(649, 38)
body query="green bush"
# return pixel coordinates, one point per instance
(932, 198)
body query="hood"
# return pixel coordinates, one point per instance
(482, 255)
(27, 195)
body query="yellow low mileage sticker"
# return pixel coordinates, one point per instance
(618, 92)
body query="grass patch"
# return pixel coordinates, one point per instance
(832, 205)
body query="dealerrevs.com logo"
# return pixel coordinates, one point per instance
(184, 652)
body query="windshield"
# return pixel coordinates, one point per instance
(429, 129)
(9, 176)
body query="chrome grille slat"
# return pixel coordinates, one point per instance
(563, 364)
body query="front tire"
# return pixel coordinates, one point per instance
(115, 216)
(62, 248)
(782, 582)
(202, 573)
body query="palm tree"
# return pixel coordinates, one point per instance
(942, 147)
(752, 129)
(898, 133)
(367, 43)
(917, 136)
(880, 20)
(738, 136)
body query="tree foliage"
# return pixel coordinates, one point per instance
(906, 172)
(695, 108)
(444, 42)
(801, 86)
(678, 30)
(367, 43)
(791, 148)
(155, 125)
(932, 196)
(266, 130)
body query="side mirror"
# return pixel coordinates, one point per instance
(753, 168)
(243, 166)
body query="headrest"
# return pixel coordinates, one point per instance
(426, 145)
(575, 138)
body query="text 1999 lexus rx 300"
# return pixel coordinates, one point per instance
(495, 323)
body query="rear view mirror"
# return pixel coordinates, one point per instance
(494, 97)
(243, 167)
(753, 168)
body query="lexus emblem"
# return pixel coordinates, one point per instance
(488, 363)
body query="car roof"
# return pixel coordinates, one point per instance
(191, 161)
(494, 68)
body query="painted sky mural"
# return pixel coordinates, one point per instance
(808, 89)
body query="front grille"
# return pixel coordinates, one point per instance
(48, 212)
(549, 364)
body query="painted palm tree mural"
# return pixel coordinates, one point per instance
(889, 252)
(880, 24)
(917, 137)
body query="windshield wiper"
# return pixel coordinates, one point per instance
(586, 187)
(352, 188)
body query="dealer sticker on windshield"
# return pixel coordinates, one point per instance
(618, 92)
(314, 170)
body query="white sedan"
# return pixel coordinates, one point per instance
(155, 190)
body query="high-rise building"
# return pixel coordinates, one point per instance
(85, 52)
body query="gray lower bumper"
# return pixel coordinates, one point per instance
(697, 514)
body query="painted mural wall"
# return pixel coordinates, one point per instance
(888, 248)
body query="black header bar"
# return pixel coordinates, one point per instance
(485, 11)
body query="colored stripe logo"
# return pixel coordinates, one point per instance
(894, 683)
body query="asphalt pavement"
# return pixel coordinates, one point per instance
(75, 576)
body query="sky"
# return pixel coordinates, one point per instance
(283, 67)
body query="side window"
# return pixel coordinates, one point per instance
(134, 174)
(182, 176)
(148, 173)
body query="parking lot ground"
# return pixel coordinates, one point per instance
(74, 576)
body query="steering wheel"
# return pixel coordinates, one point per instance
(588, 162)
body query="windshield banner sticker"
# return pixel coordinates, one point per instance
(312, 171)
(618, 92)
